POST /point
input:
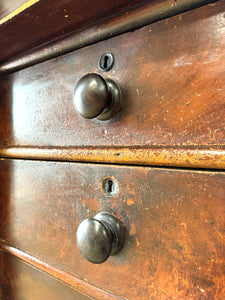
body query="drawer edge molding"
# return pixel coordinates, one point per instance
(61, 275)
(204, 158)
(129, 20)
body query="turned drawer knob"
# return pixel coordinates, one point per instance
(95, 97)
(100, 237)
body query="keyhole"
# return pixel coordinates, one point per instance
(106, 59)
(106, 62)
(110, 186)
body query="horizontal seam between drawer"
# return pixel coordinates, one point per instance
(158, 157)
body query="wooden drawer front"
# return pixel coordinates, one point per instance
(174, 220)
(172, 75)
(19, 281)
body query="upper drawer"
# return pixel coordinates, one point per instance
(172, 77)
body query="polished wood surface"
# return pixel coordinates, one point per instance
(129, 20)
(172, 86)
(174, 221)
(172, 76)
(47, 20)
(20, 281)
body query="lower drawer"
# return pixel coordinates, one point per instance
(19, 281)
(174, 222)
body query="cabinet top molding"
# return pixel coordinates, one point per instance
(37, 30)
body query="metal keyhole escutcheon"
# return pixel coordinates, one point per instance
(106, 62)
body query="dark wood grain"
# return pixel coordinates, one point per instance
(124, 21)
(20, 281)
(174, 220)
(172, 76)
(46, 20)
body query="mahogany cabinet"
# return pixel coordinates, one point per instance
(157, 164)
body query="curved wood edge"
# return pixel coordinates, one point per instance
(126, 21)
(33, 23)
(167, 157)
(67, 278)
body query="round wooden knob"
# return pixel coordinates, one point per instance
(100, 237)
(95, 97)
